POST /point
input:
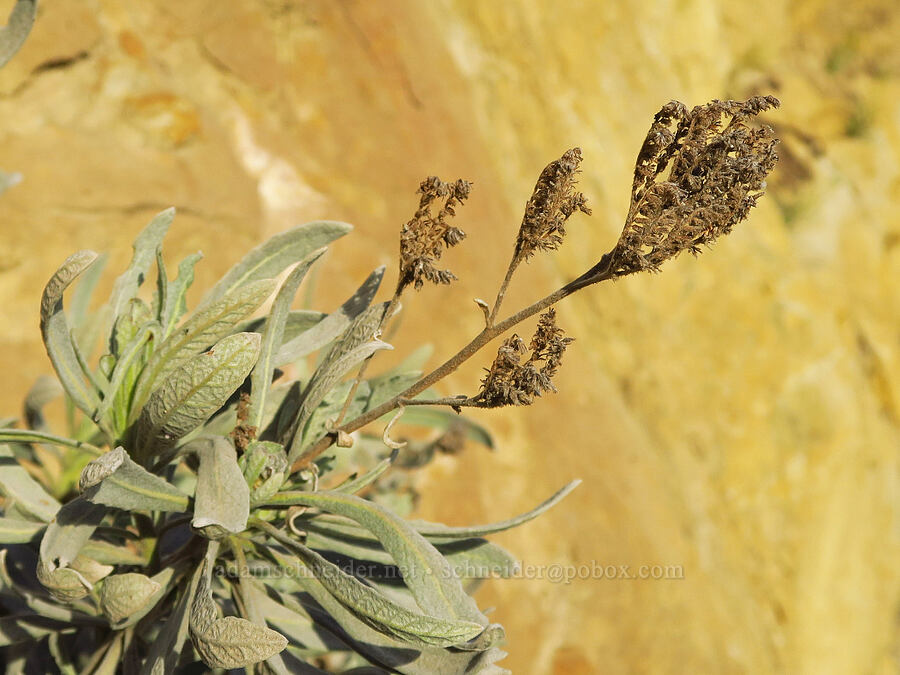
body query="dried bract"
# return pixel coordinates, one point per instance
(715, 175)
(422, 239)
(551, 203)
(511, 382)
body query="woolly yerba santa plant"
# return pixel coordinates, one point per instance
(190, 513)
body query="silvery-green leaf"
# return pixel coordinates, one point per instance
(145, 247)
(273, 330)
(25, 491)
(165, 580)
(166, 649)
(272, 257)
(111, 554)
(331, 326)
(298, 321)
(56, 335)
(228, 642)
(377, 610)
(72, 581)
(28, 436)
(124, 374)
(222, 499)
(290, 619)
(439, 593)
(255, 613)
(386, 387)
(332, 616)
(17, 531)
(87, 325)
(330, 407)
(175, 305)
(326, 376)
(356, 484)
(67, 533)
(438, 532)
(189, 396)
(115, 480)
(121, 595)
(44, 390)
(17, 28)
(197, 333)
(134, 315)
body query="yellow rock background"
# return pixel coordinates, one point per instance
(736, 415)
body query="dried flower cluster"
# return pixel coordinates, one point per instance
(511, 382)
(715, 176)
(551, 203)
(422, 239)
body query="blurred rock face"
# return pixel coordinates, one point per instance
(735, 416)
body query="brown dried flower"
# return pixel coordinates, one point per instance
(715, 176)
(554, 199)
(511, 382)
(422, 239)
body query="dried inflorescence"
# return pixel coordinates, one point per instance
(423, 238)
(715, 176)
(553, 200)
(511, 382)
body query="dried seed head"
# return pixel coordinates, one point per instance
(422, 239)
(511, 382)
(715, 175)
(554, 199)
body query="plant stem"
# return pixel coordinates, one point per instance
(600, 272)
(513, 264)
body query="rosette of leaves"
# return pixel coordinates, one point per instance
(169, 525)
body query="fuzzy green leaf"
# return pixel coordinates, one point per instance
(200, 331)
(356, 484)
(222, 500)
(17, 531)
(377, 610)
(166, 649)
(298, 321)
(271, 338)
(18, 486)
(326, 376)
(193, 393)
(115, 480)
(57, 337)
(331, 326)
(269, 259)
(145, 247)
(175, 304)
(228, 642)
(122, 595)
(440, 418)
(13, 34)
(429, 576)
(28, 436)
(44, 390)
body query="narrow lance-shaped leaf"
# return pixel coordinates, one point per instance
(145, 247)
(298, 321)
(13, 34)
(222, 499)
(44, 390)
(272, 257)
(18, 486)
(374, 608)
(56, 335)
(228, 642)
(192, 394)
(18, 531)
(439, 593)
(115, 480)
(356, 484)
(28, 436)
(166, 649)
(271, 337)
(62, 541)
(199, 332)
(320, 384)
(331, 326)
(175, 304)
